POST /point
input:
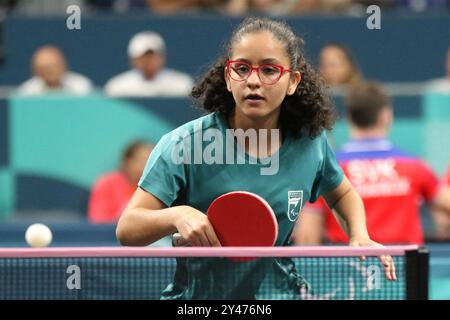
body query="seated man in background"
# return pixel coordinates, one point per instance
(149, 77)
(112, 191)
(391, 183)
(50, 74)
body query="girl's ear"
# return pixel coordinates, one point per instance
(227, 80)
(294, 82)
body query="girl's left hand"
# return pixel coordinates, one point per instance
(386, 260)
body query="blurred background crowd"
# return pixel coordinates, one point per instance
(227, 7)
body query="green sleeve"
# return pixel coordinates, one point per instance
(163, 177)
(329, 175)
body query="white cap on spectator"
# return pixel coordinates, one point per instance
(144, 42)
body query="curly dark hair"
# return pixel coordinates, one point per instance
(309, 109)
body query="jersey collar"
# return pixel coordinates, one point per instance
(375, 144)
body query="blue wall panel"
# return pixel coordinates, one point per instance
(405, 49)
(37, 193)
(4, 133)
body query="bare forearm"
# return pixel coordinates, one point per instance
(348, 209)
(140, 227)
(442, 200)
(350, 212)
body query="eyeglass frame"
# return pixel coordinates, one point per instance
(283, 70)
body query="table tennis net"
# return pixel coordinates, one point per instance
(295, 273)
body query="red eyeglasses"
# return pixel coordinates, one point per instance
(267, 73)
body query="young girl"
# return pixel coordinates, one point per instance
(263, 82)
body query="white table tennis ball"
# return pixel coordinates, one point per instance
(38, 235)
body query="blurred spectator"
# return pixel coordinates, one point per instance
(43, 7)
(338, 66)
(442, 85)
(296, 7)
(149, 77)
(50, 74)
(390, 182)
(243, 7)
(335, 5)
(6, 6)
(120, 6)
(421, 5)
(162, 7)
(112, 191)
(179, 6)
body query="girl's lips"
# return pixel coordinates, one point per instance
(254, 97)
(254, 101)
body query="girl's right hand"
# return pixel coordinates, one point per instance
(195, 228)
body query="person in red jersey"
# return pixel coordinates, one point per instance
(112, 191)
(391, 182)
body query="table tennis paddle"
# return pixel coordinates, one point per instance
(241, 218)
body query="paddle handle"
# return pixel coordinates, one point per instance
(179, 241)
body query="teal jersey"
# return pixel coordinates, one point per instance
(199, 161)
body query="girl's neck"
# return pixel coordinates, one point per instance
(272, 141)
(239, 121)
